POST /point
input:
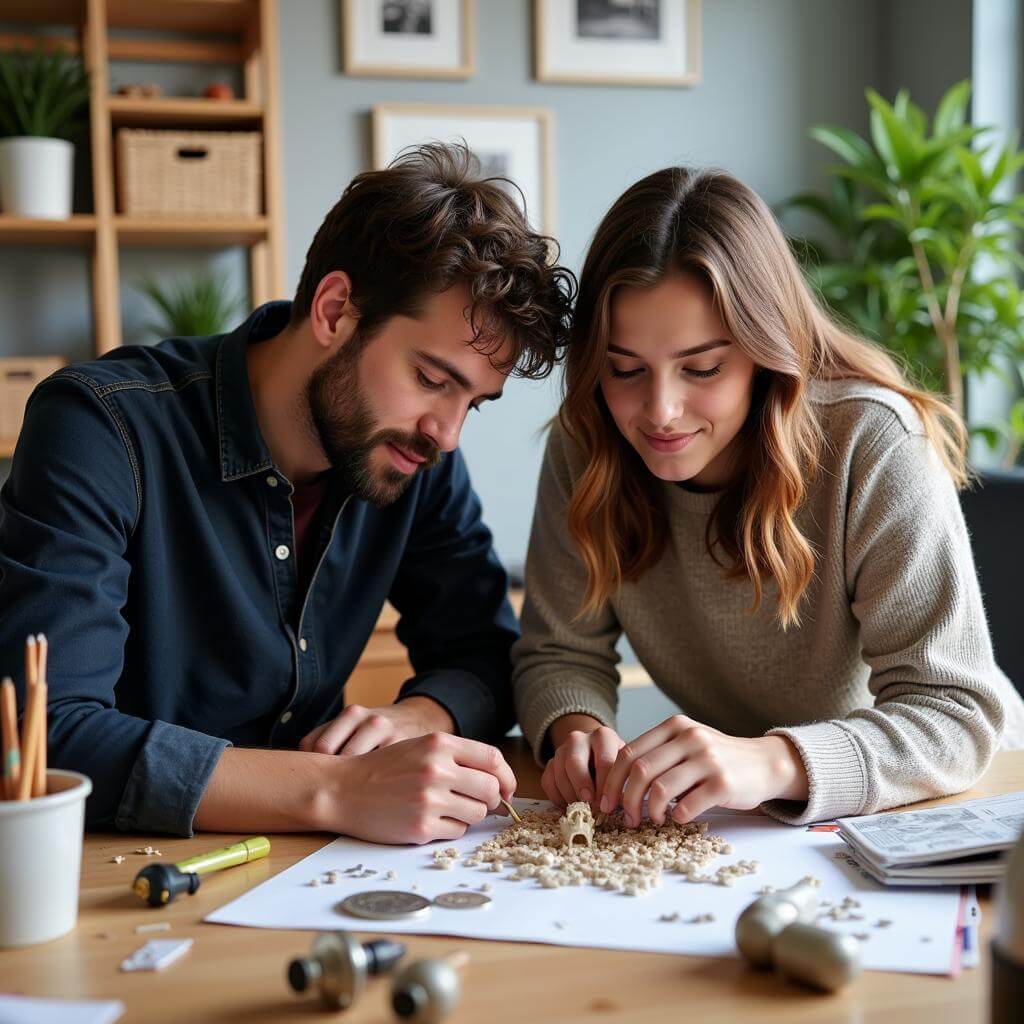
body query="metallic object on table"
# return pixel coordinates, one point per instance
(816, 956)
(775, 930)
(385, 905)
(758, 926)
(427, 991)
(461, 900)
(1007, 974)
(339, 966)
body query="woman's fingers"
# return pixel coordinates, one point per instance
(605, 746)
(615, 781)
(577, 766)
(708, 794)
(676, 782)
(643, 771)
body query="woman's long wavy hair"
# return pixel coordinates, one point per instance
(710, 224)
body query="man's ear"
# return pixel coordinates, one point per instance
(332, 314)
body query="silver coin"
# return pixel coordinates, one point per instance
(462, 900)
(385, 905)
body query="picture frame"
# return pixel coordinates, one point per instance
(617, 42)
(408, 38)
(512, 142)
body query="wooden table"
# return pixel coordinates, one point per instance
(238, 974)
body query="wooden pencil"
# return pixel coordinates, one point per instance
(30, 741)
(39, 785)
(11, 746)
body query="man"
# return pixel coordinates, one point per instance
(207, 530)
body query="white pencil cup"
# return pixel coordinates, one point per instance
(40, 861)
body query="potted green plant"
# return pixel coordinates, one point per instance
(925, 227)
(191, 306)
(42, 98)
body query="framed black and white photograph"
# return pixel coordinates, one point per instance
(511, 143)
(617, 42)
(408, 38)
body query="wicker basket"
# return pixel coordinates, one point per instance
(202, 174)
(18, 377)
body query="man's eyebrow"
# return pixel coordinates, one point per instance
(696, 350)
(456, 375)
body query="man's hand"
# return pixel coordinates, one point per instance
(358, 730)
(700, 767)
(416, 791)
(584, 754)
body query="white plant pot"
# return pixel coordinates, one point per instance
(36, 177)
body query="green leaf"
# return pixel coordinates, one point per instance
(952, 110)
(846, 144)
(891, 138)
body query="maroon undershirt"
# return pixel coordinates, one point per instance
(306, 499)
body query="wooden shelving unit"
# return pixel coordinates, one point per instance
(241, 32)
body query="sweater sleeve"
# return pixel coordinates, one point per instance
(562, 665)
(937, 715)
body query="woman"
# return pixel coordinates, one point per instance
(767, 509)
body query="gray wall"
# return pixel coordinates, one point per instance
(770, 69)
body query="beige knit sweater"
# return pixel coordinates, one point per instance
(888, 688)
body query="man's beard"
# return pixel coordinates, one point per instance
(340, 417)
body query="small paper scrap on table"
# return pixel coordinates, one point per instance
(678, 916)
(29, 1010)
(156, 954)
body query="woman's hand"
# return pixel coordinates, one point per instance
(584, 754)
(700, 767)
(358, 730)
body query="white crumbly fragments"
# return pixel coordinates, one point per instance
(118, 859)
(701, 919)
(443, 863)
(148, 851)
(157, 926)
(333, 877)
(577, 824)
(486, 887)
(314, 883)
(728, 873)
(618, 858)
(674, 916)
(414, 887)
(883, 922)
(451, 852)
(862, 936)
(390, 876)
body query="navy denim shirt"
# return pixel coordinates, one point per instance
(145, 529)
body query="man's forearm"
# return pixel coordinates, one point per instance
(265, 791)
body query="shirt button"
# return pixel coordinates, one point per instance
(286, 718)
(271, 481)
(282, 552)
(302, 643)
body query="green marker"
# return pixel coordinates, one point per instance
(160, 883)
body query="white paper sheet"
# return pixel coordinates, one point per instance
(921, 939)
(28, 1010)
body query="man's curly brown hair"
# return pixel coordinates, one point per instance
(428, 222)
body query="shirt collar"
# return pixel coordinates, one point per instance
(243, 451)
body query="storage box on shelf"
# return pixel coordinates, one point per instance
(191, 174)
(18, 378)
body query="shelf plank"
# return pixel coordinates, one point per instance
(210, 232)
(183, 112)
(44, 12)
(225, 16)
(79, 229)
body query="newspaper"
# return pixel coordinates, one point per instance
(947, 845)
